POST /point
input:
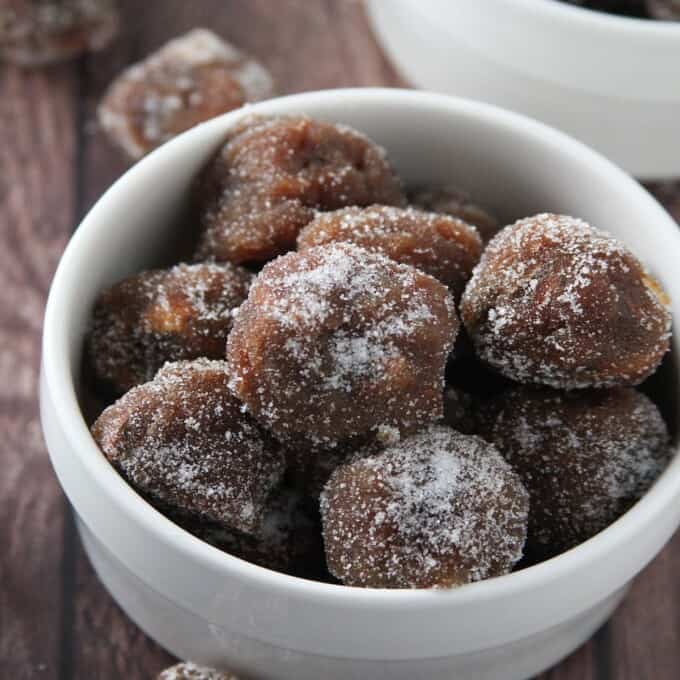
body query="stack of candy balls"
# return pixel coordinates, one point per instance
(352, 382)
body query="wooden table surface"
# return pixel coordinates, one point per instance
(56, 621)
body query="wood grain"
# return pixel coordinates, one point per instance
(56, 621)
(36, 217)
(645, 633)
(669, 194)
(582, 665)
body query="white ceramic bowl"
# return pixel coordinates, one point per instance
(208, 606)
(612, 82)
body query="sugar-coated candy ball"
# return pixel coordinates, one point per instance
(183, 440)
(436, 509)
(585, 457)
(336, 342)
(557, 302)
(273, 175)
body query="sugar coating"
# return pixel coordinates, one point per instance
(273, 175)
(436, 509)
(163, 315)
(585, 458)
(452, 200)
(554, 301)
(337, 342)
(183, 439)
(37, 33)
(191, 671)
(190, 79)
(442, 246)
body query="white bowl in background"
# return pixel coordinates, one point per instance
(613, 82)
(208, 606)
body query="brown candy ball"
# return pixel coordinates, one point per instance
(440, 245)
(585, 458)
(271, 177)
(437, 509)
(183, 439)
(453, 201)
(38, 32)
(187, 81)
(163, 315)
(556, 302)
(336, 343)
(191, 671)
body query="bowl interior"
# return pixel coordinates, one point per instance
(515, 166)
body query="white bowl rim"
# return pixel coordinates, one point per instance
(604, 43)
(600, 20)
(56, 372)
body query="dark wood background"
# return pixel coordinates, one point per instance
(56, 621)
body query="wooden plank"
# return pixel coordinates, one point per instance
(645, 631)
(581, 665)
(668, 193)
(105, 644)
(37, 146)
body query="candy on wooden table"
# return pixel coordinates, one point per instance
(38, 32)
(187, 81)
